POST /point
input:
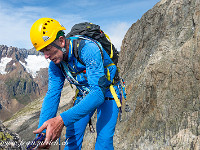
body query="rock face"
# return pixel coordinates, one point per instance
(160, 62)
(18, 87)
(9, 140)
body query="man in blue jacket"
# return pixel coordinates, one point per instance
(90, 79)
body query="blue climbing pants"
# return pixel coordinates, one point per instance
(107, 114)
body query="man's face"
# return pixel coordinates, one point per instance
(52, 53)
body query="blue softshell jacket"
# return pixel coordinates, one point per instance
(95, 79)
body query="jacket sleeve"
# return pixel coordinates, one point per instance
(91, 56)
(52, 98)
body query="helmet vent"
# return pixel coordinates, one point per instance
(43, 32)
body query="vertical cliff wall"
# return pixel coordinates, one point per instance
(160, 61)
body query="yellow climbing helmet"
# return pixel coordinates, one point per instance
(44, 31)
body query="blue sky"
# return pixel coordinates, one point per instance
(114, 16)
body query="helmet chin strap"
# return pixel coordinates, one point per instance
(63, 49)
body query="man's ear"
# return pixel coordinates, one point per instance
(62, 41)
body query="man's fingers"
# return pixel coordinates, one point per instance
(48, 136)
(47, 140)
(44, 126)
(53, 128)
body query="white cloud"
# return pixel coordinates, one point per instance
(116, 32)
(17, 17)
(16, 23)
(15, 27)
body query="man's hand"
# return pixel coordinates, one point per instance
(53, 128)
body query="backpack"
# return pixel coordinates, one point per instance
(94, 32)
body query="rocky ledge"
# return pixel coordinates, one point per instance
(10, 140)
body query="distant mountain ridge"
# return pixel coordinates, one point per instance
(31, 51)
(17, 86)
(6, 51)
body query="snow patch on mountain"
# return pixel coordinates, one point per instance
(3, 63)
(34, 63)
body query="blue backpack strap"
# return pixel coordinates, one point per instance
(79, 43)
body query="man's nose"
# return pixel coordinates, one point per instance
(46, 56)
